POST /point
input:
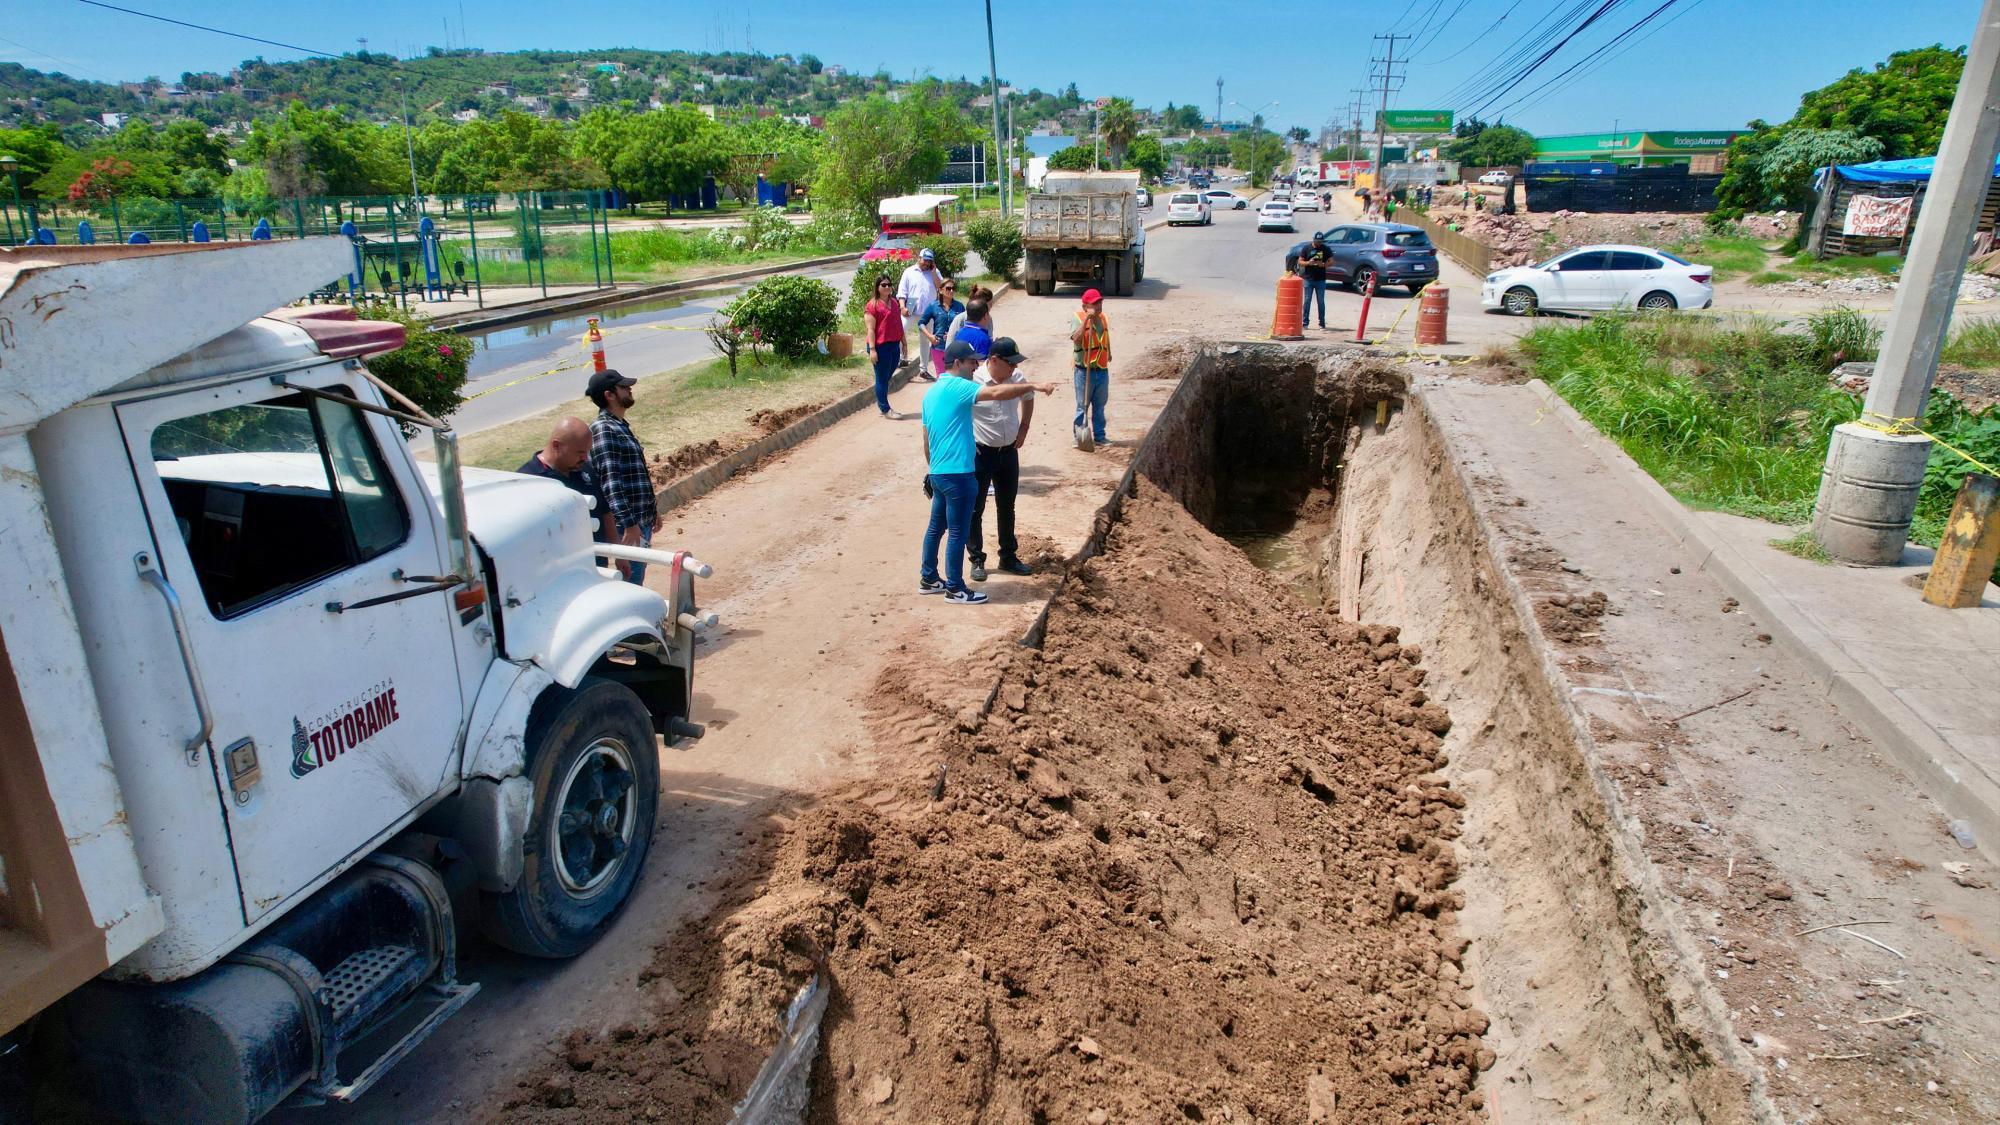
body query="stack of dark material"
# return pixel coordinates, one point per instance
(1669, 188)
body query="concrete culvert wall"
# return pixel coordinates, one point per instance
(1591, 1019)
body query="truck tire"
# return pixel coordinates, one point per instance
(596, 774)
(1117, 275)
(1138, 269)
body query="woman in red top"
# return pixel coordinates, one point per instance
(884, 319)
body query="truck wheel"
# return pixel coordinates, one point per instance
(597, 790)
(1138, 269)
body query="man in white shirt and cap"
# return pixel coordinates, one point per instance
(1000, 428)
(918, 291)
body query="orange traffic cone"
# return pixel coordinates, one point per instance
(1432, 312)
(1285, 319)
(594, 340)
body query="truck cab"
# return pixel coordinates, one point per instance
(287, 705)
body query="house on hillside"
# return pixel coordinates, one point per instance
(834, 71)
(465, 115)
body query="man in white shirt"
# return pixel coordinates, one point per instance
(918, 291)
(999, 428)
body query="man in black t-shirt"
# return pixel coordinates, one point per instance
(1312, 267)
(566, 458)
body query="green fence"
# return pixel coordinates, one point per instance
(504, 240)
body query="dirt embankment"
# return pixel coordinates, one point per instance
(1532, 236)
(1195, 864)
(670, 467)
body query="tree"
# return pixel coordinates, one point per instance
(1117, 124)
(781, 151)
(1298, 134)
(1075, 158)
(1902, 102)
(322, 151)
(669, 152)
(811, 63)
(876, 148)
(1147, 156)
(1493, 145)
(1775, 168)
(1257, 151)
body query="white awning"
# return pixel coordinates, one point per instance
(913, 206)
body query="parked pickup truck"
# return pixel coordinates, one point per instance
(279, 704)
(1084, 227)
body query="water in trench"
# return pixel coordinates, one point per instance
(500, 347)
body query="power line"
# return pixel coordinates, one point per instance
(1516, 52)
(1477, 39)
(1414, 51)
(1513, 80)
(1554, 89)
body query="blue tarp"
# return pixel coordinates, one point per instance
(1916, 169)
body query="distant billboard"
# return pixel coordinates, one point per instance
(1416, 120)
(965, 165)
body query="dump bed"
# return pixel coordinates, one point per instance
(1084, 210)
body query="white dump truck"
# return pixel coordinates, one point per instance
(282, 705)
(1084, 228)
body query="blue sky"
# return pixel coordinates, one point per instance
(1708, 63)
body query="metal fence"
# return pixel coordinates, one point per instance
(424, 248)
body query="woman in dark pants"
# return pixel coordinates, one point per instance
(883, 318)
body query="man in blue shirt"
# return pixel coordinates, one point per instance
(952, 453)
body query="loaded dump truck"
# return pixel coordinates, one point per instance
(280, 706)
(1084, 227)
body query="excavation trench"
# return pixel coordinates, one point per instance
(1317, 841)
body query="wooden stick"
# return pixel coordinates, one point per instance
(1872, 941)
(1907, 1014)
(1717, 703)
(1810, 1057)
(1837, 925)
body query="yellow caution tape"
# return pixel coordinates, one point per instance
(524, 379)
(1906, 427)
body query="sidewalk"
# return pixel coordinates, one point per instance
(1922, 681)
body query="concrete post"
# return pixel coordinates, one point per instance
(1869, 488)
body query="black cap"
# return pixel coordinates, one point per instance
(602, 381)
(959, 349)
(1004, 349)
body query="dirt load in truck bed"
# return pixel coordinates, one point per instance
(1194, 864)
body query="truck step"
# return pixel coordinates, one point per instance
(444, 1000)
(355, 980)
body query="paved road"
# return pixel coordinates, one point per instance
(524, 369)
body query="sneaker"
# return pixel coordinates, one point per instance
(930, 586)
(1083, 441)
(965, 597)
(979, 572)
(889, 416)
(1016, 566)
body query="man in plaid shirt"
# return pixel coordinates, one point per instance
(618, 462)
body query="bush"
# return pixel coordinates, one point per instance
(789, 313)
(998, 241)
(833, 229)
(429, 368)
(863, 287)
(950, 250)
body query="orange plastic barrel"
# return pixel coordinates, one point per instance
(1432, 312)
(1285, 322)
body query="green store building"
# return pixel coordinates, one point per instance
(1645, 149)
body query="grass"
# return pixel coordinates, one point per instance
(1975, 344)
(1730, 255)
(1772, 277)
(690, 404)
(1804, 545)
(1736, 416)
(1848, 266)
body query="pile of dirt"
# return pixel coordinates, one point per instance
(771, 421)
(670, 467)
(1193, 865)
(1530, 237)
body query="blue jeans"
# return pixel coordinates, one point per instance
(888, 357)
(638, 575)
(951, 511)
(1093, 390)
(1314, 285)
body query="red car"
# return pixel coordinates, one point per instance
(904, 219)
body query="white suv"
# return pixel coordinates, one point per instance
(1184, 207)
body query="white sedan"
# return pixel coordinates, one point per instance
(1275, 215)
(1601, 277)
(1305, 201)
(1223, 200)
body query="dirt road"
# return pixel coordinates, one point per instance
(816, 568)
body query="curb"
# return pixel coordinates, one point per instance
(607, 297)
(1707, 1013)
(1940, 769)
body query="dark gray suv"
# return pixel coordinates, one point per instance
(1378, 254)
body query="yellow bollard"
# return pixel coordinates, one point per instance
(1970, 545)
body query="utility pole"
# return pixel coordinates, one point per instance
(1874, 466)
(1096, 135)
(409, 145)
(1218, 104)
(993, 69)
(1386, 84)
(1007, 200)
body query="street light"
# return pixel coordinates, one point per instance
(1256, 139)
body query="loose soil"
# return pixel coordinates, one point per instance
(1194, 863)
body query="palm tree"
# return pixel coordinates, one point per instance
(1117, 124)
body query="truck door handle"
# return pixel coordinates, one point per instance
(150, 572)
